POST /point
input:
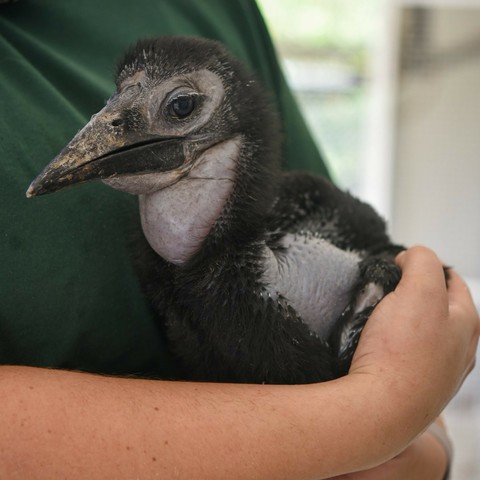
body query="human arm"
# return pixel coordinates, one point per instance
(81, 426)
(426, 458)
(429, 455)
(56, 423)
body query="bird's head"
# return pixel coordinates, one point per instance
(176, 98)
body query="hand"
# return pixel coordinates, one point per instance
(424, 459)
(420, 342)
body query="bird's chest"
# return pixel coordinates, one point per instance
(314, 276)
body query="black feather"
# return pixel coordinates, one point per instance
(221, 322)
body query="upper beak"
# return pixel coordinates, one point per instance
(105, 148)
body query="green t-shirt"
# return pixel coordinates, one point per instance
(69, 294)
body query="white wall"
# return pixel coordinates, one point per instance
(436, 154)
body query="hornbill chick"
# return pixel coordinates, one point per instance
(256, 275)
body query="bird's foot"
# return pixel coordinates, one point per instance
(378, 277)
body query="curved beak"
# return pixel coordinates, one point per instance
(105, 148)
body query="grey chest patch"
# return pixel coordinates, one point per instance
(315, 277)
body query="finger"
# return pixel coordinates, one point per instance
(458, 291)
(462, 306)
(422, 278)
(460, 302)
(421, 266)
(459, 296)
(462, 310)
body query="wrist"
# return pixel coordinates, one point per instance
(389, 413)
(367, 420)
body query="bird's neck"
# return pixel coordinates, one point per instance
(177, 220)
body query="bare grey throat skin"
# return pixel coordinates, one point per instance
(177, 219)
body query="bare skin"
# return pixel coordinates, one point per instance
(424, 459)
(418, 347)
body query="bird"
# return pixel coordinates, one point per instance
(256, 275)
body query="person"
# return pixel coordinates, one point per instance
(106, 406)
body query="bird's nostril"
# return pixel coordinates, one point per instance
(117, 122)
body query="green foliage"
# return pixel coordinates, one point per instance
(343, 26)
(330, 32)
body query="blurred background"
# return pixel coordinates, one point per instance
(391, 92)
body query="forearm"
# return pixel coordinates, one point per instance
(55, 424)
(425, 459)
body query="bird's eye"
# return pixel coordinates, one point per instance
(182, 106)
